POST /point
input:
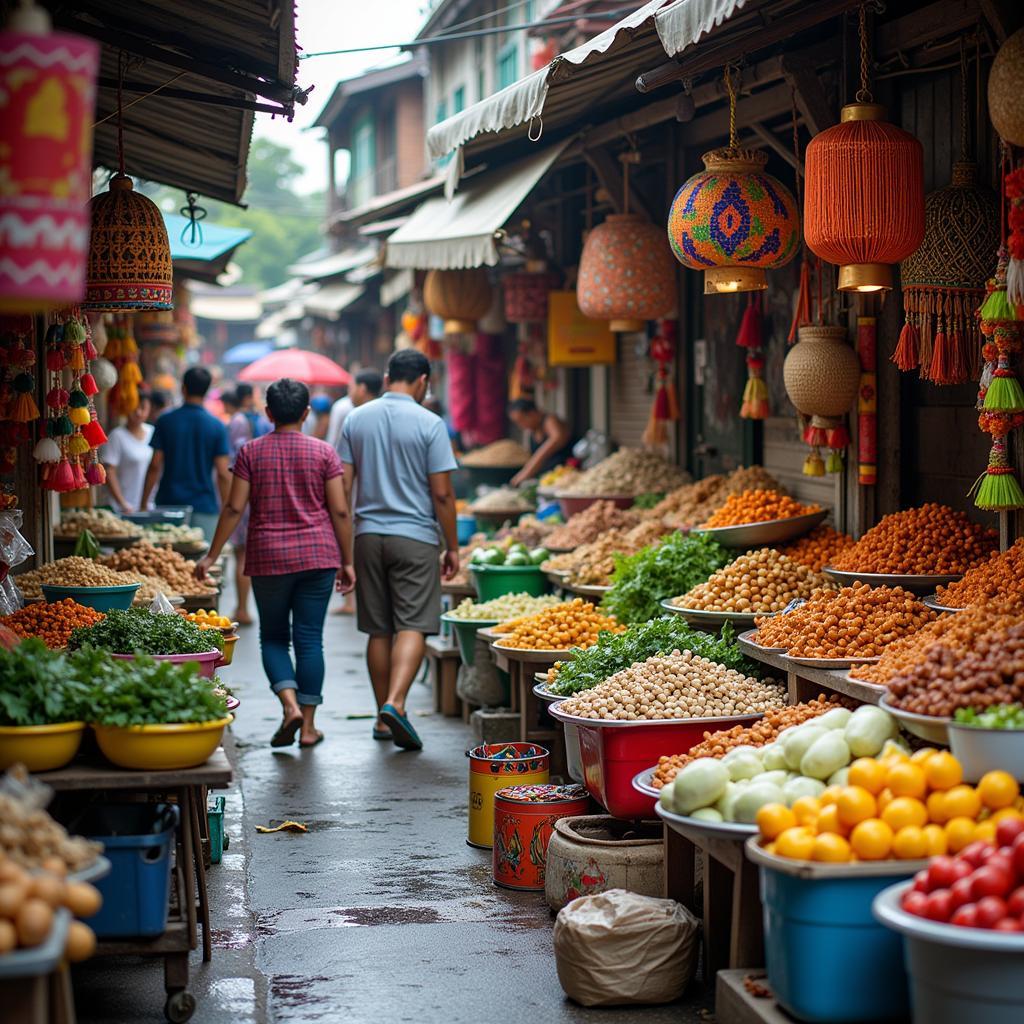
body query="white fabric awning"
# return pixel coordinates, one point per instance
(455, 235)
(331, 266)
(330, 300)
(226, 307)
(396, 285)
(686, 21)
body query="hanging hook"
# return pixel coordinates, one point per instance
(193, 228)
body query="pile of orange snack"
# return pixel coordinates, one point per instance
(759, 506)
(817, 548)
(1000, 578)
(572, 624)
(51, 623)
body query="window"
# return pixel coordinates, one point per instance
(441, 111)
(459, 100)
(508, 64)
(364, 146)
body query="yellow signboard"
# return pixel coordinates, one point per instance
(573, 339)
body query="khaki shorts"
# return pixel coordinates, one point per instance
(398, 585)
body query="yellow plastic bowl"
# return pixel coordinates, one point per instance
(40, 748)
(161, 747)
(229, 649)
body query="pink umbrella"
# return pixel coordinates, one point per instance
(308, 367)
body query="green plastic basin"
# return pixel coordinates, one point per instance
(465, 635)
(493, 581)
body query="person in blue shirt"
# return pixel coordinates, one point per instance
(190, 450)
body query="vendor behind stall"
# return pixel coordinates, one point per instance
(550, 438)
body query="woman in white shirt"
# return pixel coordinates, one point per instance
(126, 457)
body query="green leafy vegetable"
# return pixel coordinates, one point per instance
(614, 652)
(649, 500)
(999, 716)
(87, 546)
(138, 630)
(642, 581)
(38, 687)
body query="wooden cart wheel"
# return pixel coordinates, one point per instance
(179, 1007)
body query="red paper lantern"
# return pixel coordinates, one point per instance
(864, 197)
(626, 273)
(47, 98)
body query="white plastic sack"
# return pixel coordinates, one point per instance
(161, 606)
(618, 948)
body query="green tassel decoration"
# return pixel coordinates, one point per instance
(997, 306)
(834, 463)
(997, 488)
(1004, 394)
(60, 426)
(74, 332)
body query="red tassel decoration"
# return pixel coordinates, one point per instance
(94, 433)
(750, 334)
(95, 474)
(62, 478)
(802, 313)
(55, 361)
(78, 474)
(814, 436)
(88, 384)
(837, 437)
(908, 349)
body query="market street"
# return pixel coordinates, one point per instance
(382, 912)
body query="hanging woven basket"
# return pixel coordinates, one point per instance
(459, 297)
(129, 254)
(822, 372)
(1006, 89)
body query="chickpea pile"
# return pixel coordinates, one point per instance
(51, 623)
(957, 632)
(693, 503)
(589, 524)
(855, 622)
(759, 581)
(818, 548)
(502, 609)
(98, 521)
(761, 733)
(1000, 577)
(175, 570)
(677, 685)
(151, 586)
(932, 539)
(992, 673)
(571, 624)
(71, 572)
(758, 506)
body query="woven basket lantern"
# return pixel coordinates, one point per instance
(822, 372)
(944, 280)
(864, 197)
(732, 220)
(129, 254)
(1005, 89)
(459, 297)
(626, 274)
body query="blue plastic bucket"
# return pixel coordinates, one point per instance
(466, 527)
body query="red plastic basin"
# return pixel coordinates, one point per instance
(206, 660)
(614, 752)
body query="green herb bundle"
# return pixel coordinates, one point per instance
(39, 687)
(616, 651)
(660, 572)
(137, 630)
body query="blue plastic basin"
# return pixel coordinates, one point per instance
(103, 599)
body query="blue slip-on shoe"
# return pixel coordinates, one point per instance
(402, 732)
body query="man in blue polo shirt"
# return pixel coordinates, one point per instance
(189, 447)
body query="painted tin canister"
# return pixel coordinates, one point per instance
(493, 766)
(524, 818)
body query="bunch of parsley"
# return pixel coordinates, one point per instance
(40, 687)
(139, 630)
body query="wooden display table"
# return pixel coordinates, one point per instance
(444, 659)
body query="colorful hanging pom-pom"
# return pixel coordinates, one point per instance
(814, 465)
(834, 462)
(95, 474)
(46, 450)
(77, 360)
(77, 445)
(23, 408)
(88, 384)
(105, 373)
(62, 478)
(997, 488)
(59, 426)
(78, 477)
(94, 433)
(74, 332)
(57, 398)
(750, 333)
(55, 361)
(755, 394)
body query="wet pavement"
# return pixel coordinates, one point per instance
(381, 912)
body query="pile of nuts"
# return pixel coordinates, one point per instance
(591, 523)
(761, 733)
(501, 499)
(992, 673)
(570, 624)
(51, 623)
(176, 571)
(504, 454)
(818, 548)
(71, 572)
(32, 839)
(693, 503)
(504, 608)
(593, 564)
(1000, 577)
(629, 471)
(758, 506)
(151, 586)
(957, 632)
(855, 622)
(762, 580)
(677, 685)
(930, 540)
(98, 521)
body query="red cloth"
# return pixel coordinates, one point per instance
(490, 381)
(289, 525)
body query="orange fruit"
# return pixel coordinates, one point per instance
(922, 755)
(769, 847)
(884, 799)
(959, 833)
(773, 819)
(910, 843)
(867, 773)
(903, 811)
(943, 771)
(828, 821)
(998, 789)
(986, 831)
(1005, 812)
(831, 848)
(906, 779)
(806, 809)
(961, 802)
(936, 804)
(937, 842)
(830, 796)
(795, 843)
(855, 804)
(871, 839)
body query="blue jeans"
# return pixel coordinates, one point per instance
(292, 609)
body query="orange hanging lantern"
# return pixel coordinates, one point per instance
(459, 297)
(864, 192)
(47, 96)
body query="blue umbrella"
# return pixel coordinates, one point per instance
(247, 352)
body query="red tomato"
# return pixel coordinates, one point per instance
(962, 892)
(1016, 901)
(941, 873)
(1003, 861)
(961, 869)
(965, 916)
(977, 853)
(915, 903)
(921, 881)
(990, 910)
(990, 881)
(940, 905)
(1018, 855)
(1008, 829)
(1008, 924)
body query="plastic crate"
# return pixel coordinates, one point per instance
(137, 840)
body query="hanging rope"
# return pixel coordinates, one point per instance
(864, 92)
(120, 111)
(730, 88)
(193, 228)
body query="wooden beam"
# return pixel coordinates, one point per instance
(943, 18)
(1005, 17)
(811, 100)
(713, 127)
(773, 142)
(609, 174)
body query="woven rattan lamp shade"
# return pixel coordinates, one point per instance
(129, 254)
(459, 297)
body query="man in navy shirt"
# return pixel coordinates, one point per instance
(189, 447)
